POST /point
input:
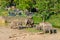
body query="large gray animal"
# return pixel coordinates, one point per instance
(22, 22)
(44, 26)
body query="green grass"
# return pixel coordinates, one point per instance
(32, 30)
(55, 20)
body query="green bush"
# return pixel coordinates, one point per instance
(55, 20)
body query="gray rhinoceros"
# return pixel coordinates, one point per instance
(44, 26)
(22, 22)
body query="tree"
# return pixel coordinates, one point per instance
(46, 8)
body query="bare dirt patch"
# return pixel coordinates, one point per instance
(14, 34)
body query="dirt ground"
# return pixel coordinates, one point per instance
(14, 34)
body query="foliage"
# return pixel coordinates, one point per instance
(55, 20)
(46, 8)
(23, 4)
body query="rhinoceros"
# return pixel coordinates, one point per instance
(15, 22)
(44, 26)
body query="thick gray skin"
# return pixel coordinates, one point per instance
(21, 23)
(30, 23)
(44, 26)
(14, 24)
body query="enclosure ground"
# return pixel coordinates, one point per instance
(14, 34)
